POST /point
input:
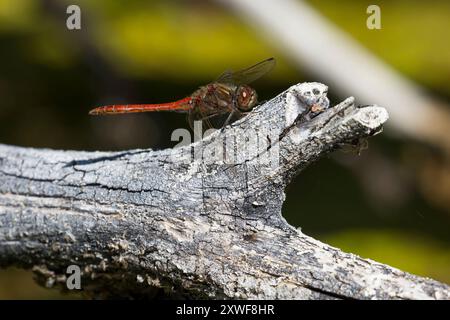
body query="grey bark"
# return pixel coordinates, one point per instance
(207, 228)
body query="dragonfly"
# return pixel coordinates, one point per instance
(229, 96)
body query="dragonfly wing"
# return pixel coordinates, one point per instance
(248, 75)
(197, 115)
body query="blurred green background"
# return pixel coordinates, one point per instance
(158, 51)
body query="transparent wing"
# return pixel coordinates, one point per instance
(248, 75)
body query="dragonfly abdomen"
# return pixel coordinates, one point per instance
(182, 105)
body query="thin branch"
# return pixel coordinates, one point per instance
(314, 43)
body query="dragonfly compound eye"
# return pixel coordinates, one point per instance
(246, 98)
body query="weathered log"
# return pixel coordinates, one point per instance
(194, 221)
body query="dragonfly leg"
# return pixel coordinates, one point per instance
(228, 120)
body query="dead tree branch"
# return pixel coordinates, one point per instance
(190, 222)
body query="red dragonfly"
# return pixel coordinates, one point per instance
(228, 95)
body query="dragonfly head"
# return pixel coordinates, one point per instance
(246, 98)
